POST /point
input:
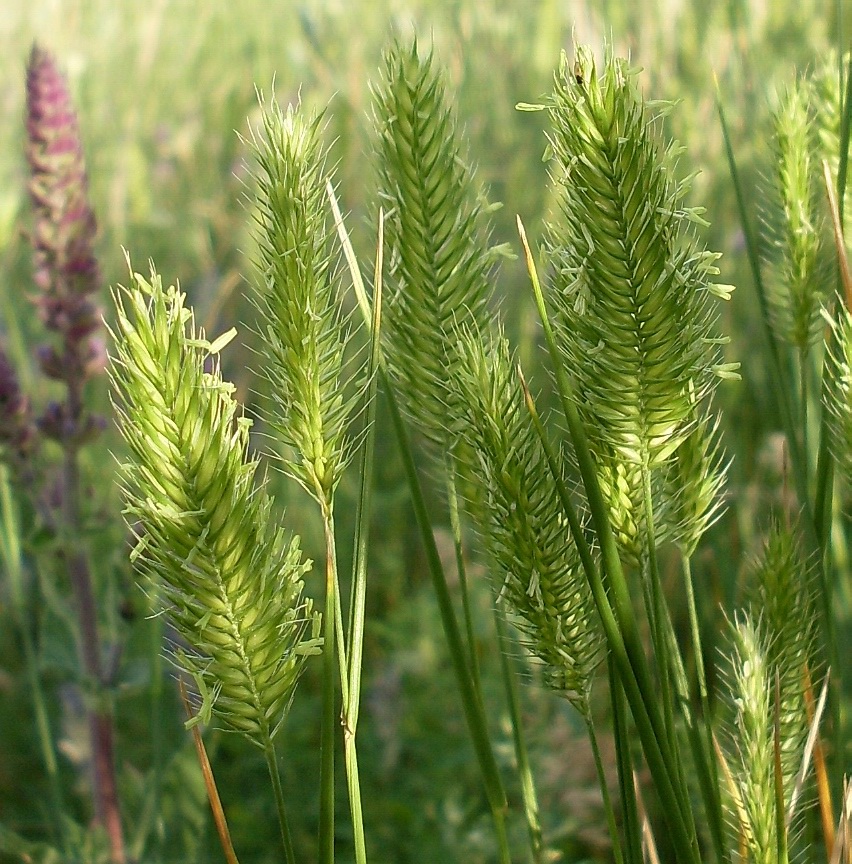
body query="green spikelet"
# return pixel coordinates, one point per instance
(632, 289)
(520, 519)
(838, 393)
(794, 222)
(303, 330)
(231, 581)
(436, 231)
(750, 743)
(692, 486)
(686, 491)
(620, 484)
(781, 600)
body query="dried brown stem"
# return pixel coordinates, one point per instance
(210, 784)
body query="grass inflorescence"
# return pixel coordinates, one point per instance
(231, 580)
(600, 537)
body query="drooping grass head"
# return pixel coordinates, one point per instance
(519, 517)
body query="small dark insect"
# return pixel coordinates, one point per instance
(578, 72)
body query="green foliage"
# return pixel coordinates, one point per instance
(631, 287)
(91, 849)
(231, 579)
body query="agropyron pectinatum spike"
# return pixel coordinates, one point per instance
(231, 581)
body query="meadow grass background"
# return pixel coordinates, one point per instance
(162, 89)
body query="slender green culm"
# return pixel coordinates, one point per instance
(618, 619)
(525, 775)
(358, 593)
(471, 703)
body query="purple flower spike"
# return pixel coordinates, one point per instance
(67, 277)
(17, 430)
(65, 268)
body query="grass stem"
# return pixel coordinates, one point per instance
(278, 792)
(464, 590)
(525, 774)
(617, 618)
(358, 598)
(704, 746)
(624, 762)
(209, 783)
(471, 705)
(330, 673)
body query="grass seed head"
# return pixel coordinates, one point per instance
(231, 580)
(632, 289)
(519, 517)
(303, 329)
(794, 222)
(436, 231)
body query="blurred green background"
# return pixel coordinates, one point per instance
(164, 89)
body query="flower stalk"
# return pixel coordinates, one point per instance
(617, 617)
(439, 280)
(67, 277)
(231, 581)
(305, 336)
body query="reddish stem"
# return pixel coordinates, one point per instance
(105, 790)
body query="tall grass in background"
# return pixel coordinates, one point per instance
(169, 177)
